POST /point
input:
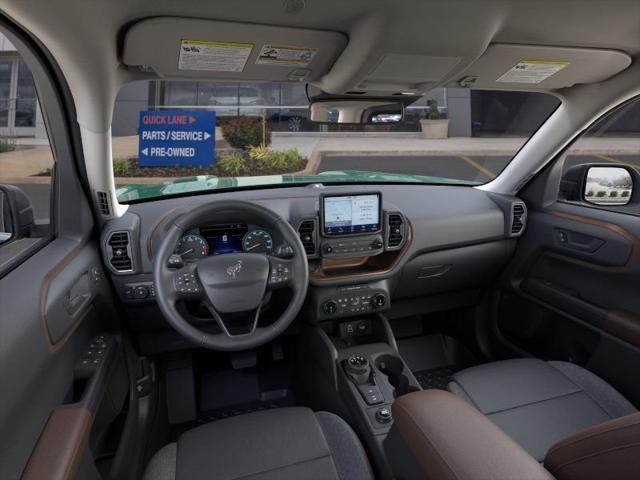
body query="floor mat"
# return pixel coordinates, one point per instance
(221, 414)
(436, 377)
(434, 359)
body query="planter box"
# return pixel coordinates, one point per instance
(435, 129)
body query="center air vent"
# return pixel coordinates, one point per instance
(396, 231)
(307, 232)
(119, 252)
(518, 218)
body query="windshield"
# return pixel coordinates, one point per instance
(178, 137)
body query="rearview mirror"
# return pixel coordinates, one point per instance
(356, 111)
(608, 186)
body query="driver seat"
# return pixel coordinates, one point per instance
(283, 443)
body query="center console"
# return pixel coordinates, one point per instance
(355, 370)
(353, 246)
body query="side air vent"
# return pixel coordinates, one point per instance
(396, 231)
(103, 203)
(518, 218)
(307, 232)
(119, 252)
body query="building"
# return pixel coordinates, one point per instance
(20, 114)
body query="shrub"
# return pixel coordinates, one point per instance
(625, 193)
(601, 193)
(433, 112)
(232, 164)
(280, 161)
(590, 193)
(120, 167)
(260, 152)
(7, 145)
(613, 193)
(244, 132)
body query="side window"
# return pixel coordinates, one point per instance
(26, 159)
(602, 168)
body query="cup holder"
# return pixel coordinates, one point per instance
(393, 368)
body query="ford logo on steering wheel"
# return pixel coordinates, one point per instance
(235, 269)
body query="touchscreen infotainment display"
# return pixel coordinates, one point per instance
(351, 214)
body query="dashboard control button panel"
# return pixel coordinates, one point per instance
(139, 291)
(366, 246)
(354, 301)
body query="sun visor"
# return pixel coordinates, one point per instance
(526, 67)
(177, 48)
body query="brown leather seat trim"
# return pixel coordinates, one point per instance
(608, 450)
(451, 440)
(59, 450)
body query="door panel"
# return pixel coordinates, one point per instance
(62, 385)
(42, 346)
(572, 292)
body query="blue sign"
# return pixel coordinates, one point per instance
(176, 138)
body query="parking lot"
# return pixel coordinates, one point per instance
(476, 168)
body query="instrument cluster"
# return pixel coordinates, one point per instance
(220, 239)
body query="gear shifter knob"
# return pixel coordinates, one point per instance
(358, 367)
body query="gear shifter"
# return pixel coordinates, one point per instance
(358, 368)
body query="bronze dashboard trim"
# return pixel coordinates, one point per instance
(612, 227)
(324, 275)
(153, 231)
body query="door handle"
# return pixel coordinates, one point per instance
(78, 296)
(577, 241)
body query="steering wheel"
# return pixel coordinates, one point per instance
(231, 283)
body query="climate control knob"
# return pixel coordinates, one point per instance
(330, 307)
(379, 300)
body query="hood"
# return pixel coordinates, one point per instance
(138, 191)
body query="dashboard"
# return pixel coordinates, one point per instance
(397, 249)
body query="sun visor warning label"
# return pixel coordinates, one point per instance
(176, 138)
(213, 56)
(532, 71)
(285, 55)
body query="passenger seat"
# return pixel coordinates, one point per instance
(538, 403)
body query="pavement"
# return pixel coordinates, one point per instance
(475, 168)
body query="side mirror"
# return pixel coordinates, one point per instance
(16, 213)
(608, 186)
(598, 184)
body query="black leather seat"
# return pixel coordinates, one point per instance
(285, 443)
(539, 403)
